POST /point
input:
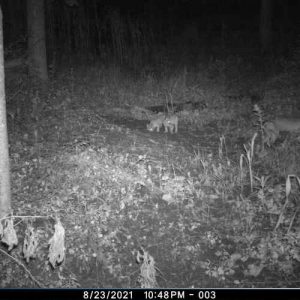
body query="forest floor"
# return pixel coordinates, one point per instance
(153, 209)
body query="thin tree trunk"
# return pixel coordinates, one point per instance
(5, 193)
(98, 46)
(36, 40)
(266, 26)
(50, 25)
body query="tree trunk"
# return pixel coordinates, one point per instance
(266, 26)
(37, 58)
(285, 29)
(5, 196)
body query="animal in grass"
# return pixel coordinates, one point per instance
(170, 123)
(273, 128)
(156, 123)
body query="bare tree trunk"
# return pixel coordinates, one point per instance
(284, 28)
(266, 26)
(50, 25)
(36, 40)
(5, 194)
(98, 46)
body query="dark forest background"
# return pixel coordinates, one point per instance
(140, 33)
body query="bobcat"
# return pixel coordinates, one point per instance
(171, 123)
(156, 123)
(273, 128)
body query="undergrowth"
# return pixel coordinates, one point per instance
(141, 209)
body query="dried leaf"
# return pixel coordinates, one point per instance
(288, 186)
(30, 243)
(57, 245)
(9, 234)
(148, 272)
(254, 270)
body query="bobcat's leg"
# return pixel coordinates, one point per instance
(171, 128)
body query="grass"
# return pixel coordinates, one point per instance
(140, 209)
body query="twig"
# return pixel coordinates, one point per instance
(23, 217)
(292, 221)
(14, 95)
(280, 219)
(26, 270)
